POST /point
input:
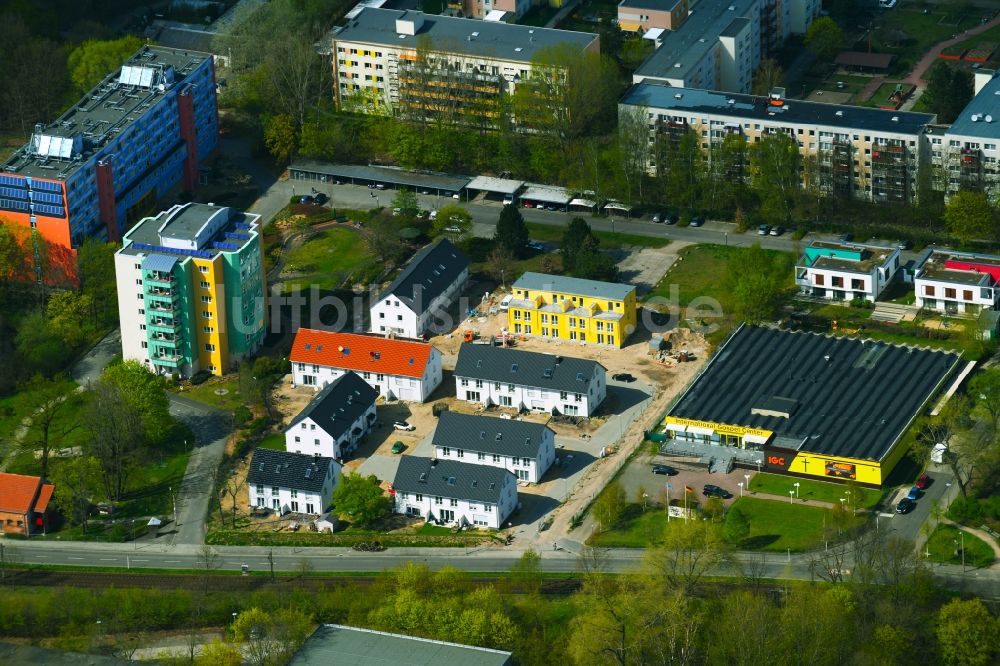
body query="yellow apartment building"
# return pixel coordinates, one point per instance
(567, 308)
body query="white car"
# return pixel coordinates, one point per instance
(403, 425)
(505, 303)
(433, 215)
(452, 230)
(508, 201)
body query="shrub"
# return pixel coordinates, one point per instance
(241, 416)
(965, 510)
(200, 377)
(258, 426)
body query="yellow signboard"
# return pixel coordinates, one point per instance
(720, 428)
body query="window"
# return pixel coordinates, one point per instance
(928, 290)
(206, 314)
(210, 330)
(309, 507)
(206, 299)
(209, 347)
(836, 281)
(295, 493)
(453, 502)
(488, 508)
(505, 401)
(967, 294)
(949, 292)
(295, 507)
(496, 457)
(464, 382)
(418, 497)
(260, 488)
(461, 453)
(480, 456)
(204, 285)
(562, 395)
(445, 450)
(274, 490)
(437, 500)
(479, 383)
(203, 269)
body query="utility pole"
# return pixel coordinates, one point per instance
(270, 561)
(3, 565)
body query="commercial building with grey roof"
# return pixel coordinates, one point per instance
(451, 492)
(334, 644)
(817, 405)
(532, 381)
(444, 68)
(525, 448)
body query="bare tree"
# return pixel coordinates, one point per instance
(48, 400)
(754, 570)
(9, 557)
(232, 489)
(633, 150)
(207, 561)
(690, 551)
(501, 263)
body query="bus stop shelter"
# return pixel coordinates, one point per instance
(378, 176)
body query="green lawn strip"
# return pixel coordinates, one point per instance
(944, 544)
(822, 491)
(206, 393)
(229, 537)
(550, 233)
(533, 263)
(275, 440)
(991, 36)
(636, 529)
(923, 30)
(331, 257)
(778, 526)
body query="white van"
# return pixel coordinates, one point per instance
(505, 303)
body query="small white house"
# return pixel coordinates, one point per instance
(532, 381)
(429, 283)
(291, 482)
(335, 421)
(449, 492)
(957, 282)
(397, 369)
(846, 271)
(527, 449)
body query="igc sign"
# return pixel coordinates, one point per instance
(778, 460)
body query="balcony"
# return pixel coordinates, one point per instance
(166, 340)
(164, 326)
(168, 360)
(160, 278)
(161, 307)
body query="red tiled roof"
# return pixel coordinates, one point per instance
(361, 353)
(43, 497)
(17, 491)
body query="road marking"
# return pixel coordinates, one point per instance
(171, 561)
(137, 560)
(109, 559)
(74, 558)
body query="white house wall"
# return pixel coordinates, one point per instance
(526, 469)
(308, 438)
(285, 500)
(519, 396)
(477, 514)
(393, 387)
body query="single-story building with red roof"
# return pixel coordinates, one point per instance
(24, 501)
(397, 369)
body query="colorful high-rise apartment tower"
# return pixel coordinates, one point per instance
(191, 289)
(99, 166)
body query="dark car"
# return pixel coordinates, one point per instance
(715, 491)
(905, 505)
(623, 377)
(305, 198)
(696, 221)
(923, 482)
(664, 469)
(671, 218)
(659, 217)
(777, 231)
(904, 245)
(914, 493)
(846, 238)
(321, 198)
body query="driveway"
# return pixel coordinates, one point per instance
(88, 369)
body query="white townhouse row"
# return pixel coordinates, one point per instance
(449, 492)
(291, 482)
(526, 449)
(335, 421)
(397, 369)
(531, 381)
(421, 294)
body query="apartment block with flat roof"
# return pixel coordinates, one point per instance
(957, 282)
(140, 132)
(854, 151)
(966, 154)
(846, 271)
(191, 289)
(419, 65)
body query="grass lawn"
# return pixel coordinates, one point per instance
(775, 484)
(151, 486)
(777, 526)
(332, 257)
(942, 547)
(13, 410)
(206, 393)
(636, 529)
(924, 31)
(991, 36)
(275, 441)
(548, 233)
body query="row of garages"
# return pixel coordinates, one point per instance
(504, 190)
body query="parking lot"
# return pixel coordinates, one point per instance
(639, 474)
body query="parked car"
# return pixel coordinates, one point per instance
(905, 505)
(671, 218)
(432, 215)
(505, 303)
(846, 238)
(623, 377)
(664, 469)
(321, 198)
(715, 491)
(456, 195)
(659, 217)
(398, 447)
(914, 493)
(696, 221)
(508, 201)
(380, 186)
(535, 245)
(904, 245)
(305, 198)
(528, 204)
(763, 229)
(923, 482)
(397, 211)
(403, 425)
(777, 230)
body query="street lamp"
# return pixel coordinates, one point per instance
(740, 484)
(796, 484)
(791, 496)
(746, 477)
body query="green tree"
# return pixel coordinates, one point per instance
(728, 174)
(577, 240)
(11, 257)
(596, 265)
(41, 348)
(452, 216)
(117, 439)
(737, 526)
(949, 90)
(768, 76)
(689, 551)
(270, 637)
(816, 628)
(970, 216)
(526, 572)
(96, 262)
(968, 635)
(70, 314)
(145, 393)
(512, 232)
(360, 499)
(774, 175)
(281, 137)
(680, 165)
(380, 236)
(90, 62)
(756, 282)
(406, 201)
(984, 389)
(49, 401)
(610, 506)
(824, 38)
(77, 480)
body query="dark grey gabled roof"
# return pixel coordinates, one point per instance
(450, 478)
(429, 273)
(299, 471)
(338, 405)
(513, 366)
(488, 434)
(842, 396)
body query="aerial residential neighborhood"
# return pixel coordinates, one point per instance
(500, 332)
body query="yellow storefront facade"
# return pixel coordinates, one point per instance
(589, 311)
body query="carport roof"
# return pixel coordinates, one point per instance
(380, 174)
(546, 193)
(851, 397)
(490, 184)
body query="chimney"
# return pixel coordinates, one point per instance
(982, 77)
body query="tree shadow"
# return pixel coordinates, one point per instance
(759, 542)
